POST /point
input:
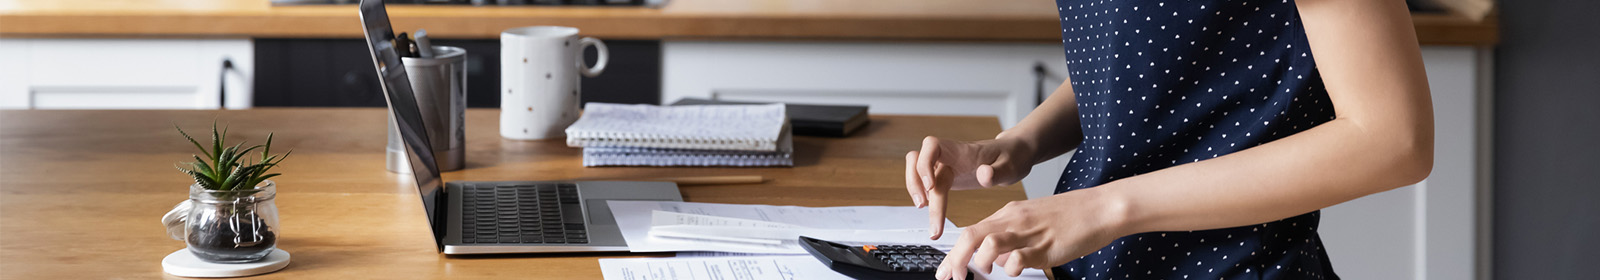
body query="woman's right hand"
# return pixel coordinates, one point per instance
(943, 165)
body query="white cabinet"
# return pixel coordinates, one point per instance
(1433, 230)
(892, 78)
(124, 73)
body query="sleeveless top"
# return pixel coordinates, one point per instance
(1167, 82)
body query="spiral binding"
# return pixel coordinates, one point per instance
(598, 127)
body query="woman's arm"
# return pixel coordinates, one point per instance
(1052, 128)
(1381, 139)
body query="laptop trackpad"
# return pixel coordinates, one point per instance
(600, 212)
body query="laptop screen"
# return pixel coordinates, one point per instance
(403, 105)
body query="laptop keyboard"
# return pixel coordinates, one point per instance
(523, 214)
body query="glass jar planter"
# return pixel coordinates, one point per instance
(234, 226)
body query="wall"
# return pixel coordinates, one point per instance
(1547, 128)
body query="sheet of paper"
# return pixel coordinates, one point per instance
(665, 224)
(634, 220)
(718, 268)
(768, 267)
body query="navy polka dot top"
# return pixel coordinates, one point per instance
(1161, 83)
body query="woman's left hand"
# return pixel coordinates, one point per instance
(1038, 233)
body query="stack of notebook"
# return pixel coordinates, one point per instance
(706, 135)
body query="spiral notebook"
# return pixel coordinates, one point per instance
(634, 156)
(709, 135)
(708, 127)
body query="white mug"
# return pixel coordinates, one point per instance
(539, 68)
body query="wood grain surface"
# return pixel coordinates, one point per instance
(82, 192)
(932, 20)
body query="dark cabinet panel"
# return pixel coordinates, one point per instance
(339, 73)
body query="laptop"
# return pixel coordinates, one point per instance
(497, 217)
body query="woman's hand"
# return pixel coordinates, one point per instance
(1038, 233)
(943, 165)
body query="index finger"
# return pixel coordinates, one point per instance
(938, 200)
(955, 262)
(991, 248)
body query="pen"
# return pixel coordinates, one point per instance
(424, 47)
(403, 46)
(694, 180)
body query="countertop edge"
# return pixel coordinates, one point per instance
(644, 24)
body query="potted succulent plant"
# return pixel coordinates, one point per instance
(230, 215)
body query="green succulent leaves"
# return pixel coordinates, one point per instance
(224, 168)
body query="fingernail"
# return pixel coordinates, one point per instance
(942, 274)
(917, 200)
(927, 182)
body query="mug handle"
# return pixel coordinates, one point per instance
(600, 50)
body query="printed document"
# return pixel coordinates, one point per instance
(763, 267)
(767, 229)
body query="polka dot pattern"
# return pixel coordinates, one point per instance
(1161, 83)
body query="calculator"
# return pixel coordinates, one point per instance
(918, 262)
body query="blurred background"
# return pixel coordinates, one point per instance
(1516, 86)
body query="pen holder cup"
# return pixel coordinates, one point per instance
(440, 86)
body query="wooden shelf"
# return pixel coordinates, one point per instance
(937, 20)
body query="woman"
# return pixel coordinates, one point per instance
(1209, 133)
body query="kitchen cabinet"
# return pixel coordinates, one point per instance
(109, 73)
(990, 79)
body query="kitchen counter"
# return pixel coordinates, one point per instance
(922, 20)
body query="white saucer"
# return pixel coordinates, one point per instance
(183, 263)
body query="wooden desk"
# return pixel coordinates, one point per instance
(81, 192)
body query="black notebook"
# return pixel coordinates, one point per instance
(809, 119)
